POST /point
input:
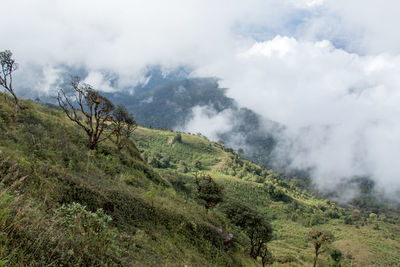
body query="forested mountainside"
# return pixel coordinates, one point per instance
(145, 205)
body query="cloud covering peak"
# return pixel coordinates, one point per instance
(321, 68)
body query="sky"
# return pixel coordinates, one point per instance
(325, 69)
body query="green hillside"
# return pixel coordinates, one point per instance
(63, 206)
(169, 105)
(364, 240)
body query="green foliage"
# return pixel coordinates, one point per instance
(156, 216)
(316, 219)
(182, 167)
(336, 256)
(319, 239)
(122, 126)
(347, 220)
(150, 221)
(266, 256)
(177, 138)
(89, 241)
(254, 224)
(208, 191)
(333, 214)
(277, 194)
(198, 165)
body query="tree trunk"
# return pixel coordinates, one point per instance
(17, 105)
(16, 102)
(91, 144)
(315, 258)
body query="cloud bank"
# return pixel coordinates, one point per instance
(325, 69)
(208, 122)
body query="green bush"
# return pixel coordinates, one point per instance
(208, 191)
(177, 138)
(336, 256)
(87, 238)
(198, 165)
(333, 214)
(316, 219)
(277, 194)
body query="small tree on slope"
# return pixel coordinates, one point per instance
(87, 108)
(123, 126)
(319, 240)
(8, 66)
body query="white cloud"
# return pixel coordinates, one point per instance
(363, 26)
(340, 109)
(313, 3)
(208, 122)
(98, 81)
(278, 57)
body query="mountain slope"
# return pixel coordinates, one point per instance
(63, 206)
(365, 240)
(170, 106)
(174, 104)
(47, 177)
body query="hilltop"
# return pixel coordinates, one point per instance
(62, 205)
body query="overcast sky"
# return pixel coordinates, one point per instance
(326, 69)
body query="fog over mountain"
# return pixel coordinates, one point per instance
(326, 70)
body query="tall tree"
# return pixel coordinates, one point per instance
(255, 225)
(8, 66)
(123, 126)
(87, 108)
(319, 239)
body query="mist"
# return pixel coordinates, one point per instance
(324, 70)
(340, 110)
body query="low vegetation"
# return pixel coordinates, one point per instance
(141, 205)
(360, 239)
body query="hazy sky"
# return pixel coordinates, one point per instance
(326, 69)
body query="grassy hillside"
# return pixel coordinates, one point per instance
(131, 216)
(169, 105)
(60, 205)
(364, 240)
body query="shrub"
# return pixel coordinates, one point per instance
(277, 194)
(316, 219)
(183, 167)
(177, 138)
(333, 214)
(208, 191)
(347, 220)
(198, 165)
(336, 256)
(165, 162)
(86, 238)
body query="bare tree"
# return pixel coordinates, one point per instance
(8, 66)
(123, 126)
(87, 108)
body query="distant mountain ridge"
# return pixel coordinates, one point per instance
(170, 105)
